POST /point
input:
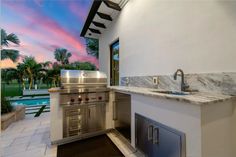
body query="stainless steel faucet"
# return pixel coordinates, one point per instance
(184, 86)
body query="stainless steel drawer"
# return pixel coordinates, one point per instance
(83, 119)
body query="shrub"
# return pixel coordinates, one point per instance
(5, 105)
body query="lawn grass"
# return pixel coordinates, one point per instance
(15, 89)
(12, 89)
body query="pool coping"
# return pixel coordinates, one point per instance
(26, 98)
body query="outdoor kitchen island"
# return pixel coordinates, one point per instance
(80, 106)
(57, 136)
(83, 108)
(207, 120)
(202, 123)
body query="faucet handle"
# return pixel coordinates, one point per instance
(185, 86)
(127, 81)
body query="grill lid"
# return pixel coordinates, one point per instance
(73, 78)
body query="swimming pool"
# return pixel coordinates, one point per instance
(31, 102)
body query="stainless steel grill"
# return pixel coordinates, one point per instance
(78, 78)
(83, 96)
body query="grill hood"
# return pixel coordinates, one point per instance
(76, 78)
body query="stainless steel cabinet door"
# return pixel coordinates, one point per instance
(96, 117)
(165, 143)
(143, 136)
(157, 140)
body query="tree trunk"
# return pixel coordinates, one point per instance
(31, 82)
(31, 78)
(54, 82)
(23, 84)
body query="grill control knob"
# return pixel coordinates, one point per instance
(79, 99)
(87, 99)
(72, 100)
(100, 98)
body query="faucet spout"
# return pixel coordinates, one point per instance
(184, 86)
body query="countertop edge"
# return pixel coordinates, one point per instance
(54, 90)
(172, 97)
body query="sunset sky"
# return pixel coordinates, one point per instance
(43, 25)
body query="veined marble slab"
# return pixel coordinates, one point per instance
(221, 83)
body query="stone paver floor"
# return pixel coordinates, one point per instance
(28, 138)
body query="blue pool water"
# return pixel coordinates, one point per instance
(30, 102)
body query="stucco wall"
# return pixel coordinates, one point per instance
(157, 37)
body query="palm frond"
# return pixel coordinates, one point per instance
(5, 39)
(13, 38)
(10, 54)
(62, 55)
(92, 46)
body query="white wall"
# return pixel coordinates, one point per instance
(56, 118)
(159, 36)
(218, 123)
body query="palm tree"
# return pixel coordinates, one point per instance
(9, 53)
(42, 73)
(92, 46)
(53, 75)
(62, 55)
(29, 63)
(16, 74)
(32, 69)
(46, 65)
(84, 66)
(21, 73)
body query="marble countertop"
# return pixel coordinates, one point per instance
(54, 90)
(198, 98)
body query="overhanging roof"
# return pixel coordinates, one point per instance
(100, 16)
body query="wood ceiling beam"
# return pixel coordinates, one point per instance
(95, 31)
(92, 13)
(98, 24)
(104, 16)
(112, 5)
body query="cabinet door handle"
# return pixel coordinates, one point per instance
(89, 112)
(156, 139)
(114, 111)
(150, 132)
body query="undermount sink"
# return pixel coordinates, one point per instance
(174, 92)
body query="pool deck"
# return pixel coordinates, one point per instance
(28, 138)
(31, 138)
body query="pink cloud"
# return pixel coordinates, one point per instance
(45, 49)
(48, 26)
(78, 11)
(40, 35)
(39, 2)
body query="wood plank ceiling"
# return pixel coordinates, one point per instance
(100, 16)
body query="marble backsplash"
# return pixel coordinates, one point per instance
(224, 83)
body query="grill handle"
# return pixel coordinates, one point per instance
(89, 112)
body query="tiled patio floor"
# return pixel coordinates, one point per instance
(28, 138)
(31, 138)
